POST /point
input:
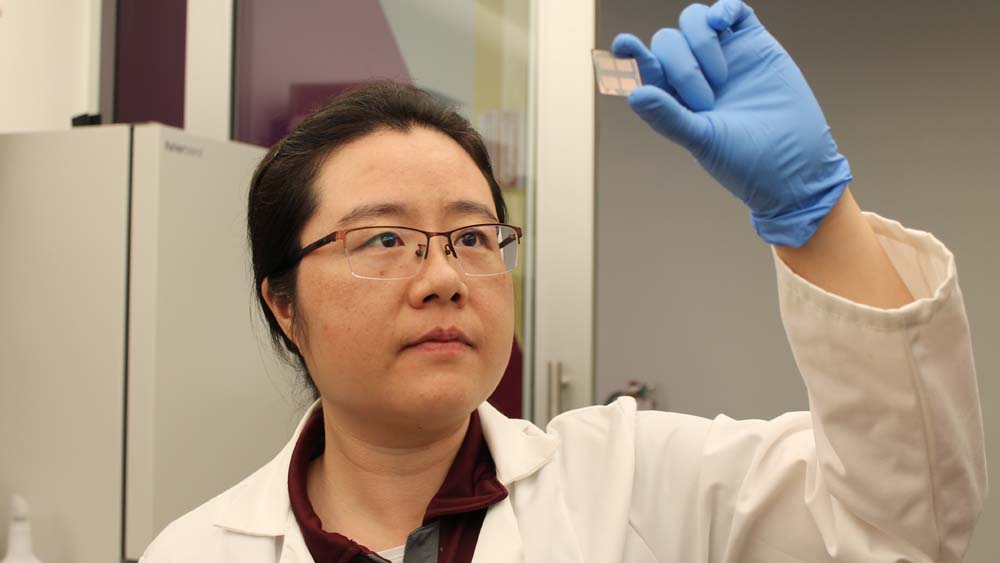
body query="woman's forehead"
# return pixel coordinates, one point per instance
(418, 172)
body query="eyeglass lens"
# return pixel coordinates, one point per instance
(397, 252)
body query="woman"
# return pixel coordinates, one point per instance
(382, 263)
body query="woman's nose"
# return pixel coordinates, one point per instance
(441, 276)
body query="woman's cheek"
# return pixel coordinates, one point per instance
(504, 304)
(351, 330)
(498, 321)
(342, 325)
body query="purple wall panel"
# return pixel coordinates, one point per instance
(291, 57)
(149, 85)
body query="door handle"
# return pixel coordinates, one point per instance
(557, 381)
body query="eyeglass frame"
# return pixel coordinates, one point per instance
(341, 235)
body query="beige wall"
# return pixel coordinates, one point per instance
(912, 93)
(49, 58)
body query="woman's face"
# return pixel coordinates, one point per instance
(357, 334)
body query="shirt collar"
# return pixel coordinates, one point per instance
(322, 545)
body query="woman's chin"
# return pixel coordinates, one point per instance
(445, 403)
(419, 398)
(440, 402)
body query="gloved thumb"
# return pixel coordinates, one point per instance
(670, 118)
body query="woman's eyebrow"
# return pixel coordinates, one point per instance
(372, 211)
(369, 211)
(467, 207)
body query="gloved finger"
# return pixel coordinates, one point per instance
(671, 119)
(731, 14)
(704, 43)
(682, 69)
(628, 45)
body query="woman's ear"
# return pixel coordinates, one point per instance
(282, 310)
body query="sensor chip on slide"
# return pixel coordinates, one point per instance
(615, 76)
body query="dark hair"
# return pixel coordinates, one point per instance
(282, 198)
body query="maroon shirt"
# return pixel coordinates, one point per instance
(459, 507)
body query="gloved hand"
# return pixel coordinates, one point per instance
(723, 88)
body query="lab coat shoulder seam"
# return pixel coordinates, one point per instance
(618, 404)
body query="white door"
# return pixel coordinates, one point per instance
(563, 261)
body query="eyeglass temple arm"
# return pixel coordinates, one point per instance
(309, 248)
(508, 240)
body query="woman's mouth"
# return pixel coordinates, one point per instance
(441, 341)
(445, 347)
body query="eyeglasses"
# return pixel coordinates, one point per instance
(396, 253)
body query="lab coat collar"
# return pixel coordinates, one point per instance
(259, 506)
(519, 448)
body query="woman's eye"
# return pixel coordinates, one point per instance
(471, 238)
(385, 240)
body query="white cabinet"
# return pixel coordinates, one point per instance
(63, 246)
(135, 381)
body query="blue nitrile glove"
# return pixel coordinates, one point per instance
(723, 88)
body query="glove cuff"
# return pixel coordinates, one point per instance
(797, 227)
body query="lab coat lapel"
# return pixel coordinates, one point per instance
(519, 449)
(293, 548)
(499, 538)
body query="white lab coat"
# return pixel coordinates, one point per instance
(887, 466)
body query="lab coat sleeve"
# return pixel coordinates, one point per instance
(887, 465)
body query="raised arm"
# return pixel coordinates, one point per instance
(889, 464)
